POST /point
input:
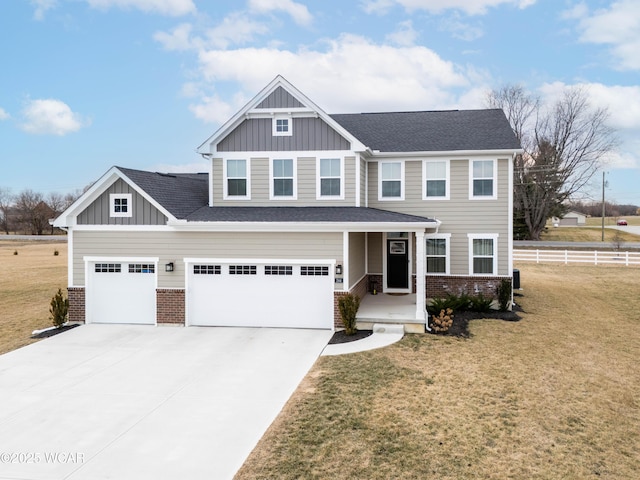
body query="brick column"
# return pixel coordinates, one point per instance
(170, 307)
(76, 304)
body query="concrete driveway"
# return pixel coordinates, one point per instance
(140, 402)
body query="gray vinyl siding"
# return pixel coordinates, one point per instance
(459, 215)
(256, 135)
(374, 252)
(306, 184)
(175, 246)
(357, 260)
(280, 98)
(143, 212)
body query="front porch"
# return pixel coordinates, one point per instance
(392, 309)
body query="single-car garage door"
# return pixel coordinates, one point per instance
(121, 292)
(278, 294)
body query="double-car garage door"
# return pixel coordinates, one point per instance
(218, 293)
(267, 294)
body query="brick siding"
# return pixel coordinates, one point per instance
(76, 304)
(440, 286)
(170, 306)
(360, 290)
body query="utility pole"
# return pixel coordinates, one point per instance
(603, 211)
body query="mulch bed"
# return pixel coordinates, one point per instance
(341, 337)
(54, 331)
(460, 326)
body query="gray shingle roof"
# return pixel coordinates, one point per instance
(180, 193)
(431, 131)
(302, 214)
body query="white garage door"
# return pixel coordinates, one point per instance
(246, 294)
(121, 292)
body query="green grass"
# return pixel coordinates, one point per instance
(553, 396)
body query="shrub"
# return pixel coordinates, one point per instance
(348, 305)
(443, 321)
(451, 301)
(59, 309)
(56, 253)
(15, 252)
(480, 303)
(503, 292)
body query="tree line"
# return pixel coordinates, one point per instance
(594, 209)
(29, 212)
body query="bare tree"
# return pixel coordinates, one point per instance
(6, 203)
(33, 212)
(563, 148)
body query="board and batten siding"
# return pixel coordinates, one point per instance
(306, 184)
(459, 215)
(280, 98)
(143, 212)
(175, 246)
(357, 257)
(308, 134)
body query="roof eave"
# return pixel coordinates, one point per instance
(447, 153)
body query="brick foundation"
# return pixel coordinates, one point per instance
(76, 304)
(170, 306)
(440, 286)
(360, 290)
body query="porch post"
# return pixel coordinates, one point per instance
(420, 276)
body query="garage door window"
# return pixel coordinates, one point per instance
(242, 269)
(278, 270)
(142, 268)
(314, 271)
(108, 268)
(207, 270)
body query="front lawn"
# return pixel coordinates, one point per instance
(554, 396)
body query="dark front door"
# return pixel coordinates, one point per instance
(398, 263)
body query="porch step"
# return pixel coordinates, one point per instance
(399, 326)
(387, 328)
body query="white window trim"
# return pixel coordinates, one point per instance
(295, 179)
(225, 185)
(112, 208)
(402, 182)
(483, 236)
(447, 179)
(447, 237)
(495, 179)
(274, 124)
(319, 195)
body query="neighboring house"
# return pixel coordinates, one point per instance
(571, 218)
(298, 208)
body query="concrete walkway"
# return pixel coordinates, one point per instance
(382, 336)
(142, 402)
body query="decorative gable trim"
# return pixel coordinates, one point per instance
(256, 109)
(69, 216)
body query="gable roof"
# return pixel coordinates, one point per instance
(432, 131)
(180, 193)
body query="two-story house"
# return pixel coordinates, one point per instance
(299, 207)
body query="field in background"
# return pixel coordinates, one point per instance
(27, 283)
(553, 396)
(587, 234)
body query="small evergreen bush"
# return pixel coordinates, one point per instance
(348, 305)
(59, 309)
(503, 292)
(480, 303)
(56, 253)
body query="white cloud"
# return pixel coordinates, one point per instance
(177, 39)
(405, 35)
(41, 7)
(297, 11)
(51, 117)
(351, 75)
(172, 8)
(617, 26)
(459, 29)
(235, 29)
(470, 7)
(3, 114)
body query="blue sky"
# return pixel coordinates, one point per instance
(88, 84)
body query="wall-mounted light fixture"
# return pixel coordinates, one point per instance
(168, 267)
(338, 269)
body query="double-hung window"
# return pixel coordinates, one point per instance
(436, 180)
(330, 178)
(483, 254)
(391, 181)
(283, 183)
(482, 179)
(437, 253)
(236, 176)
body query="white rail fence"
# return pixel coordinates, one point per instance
(593, 257)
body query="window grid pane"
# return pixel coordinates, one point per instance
(329, 187)
(391, 188)
(314, 271)
(207, 270)
(242, 269)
